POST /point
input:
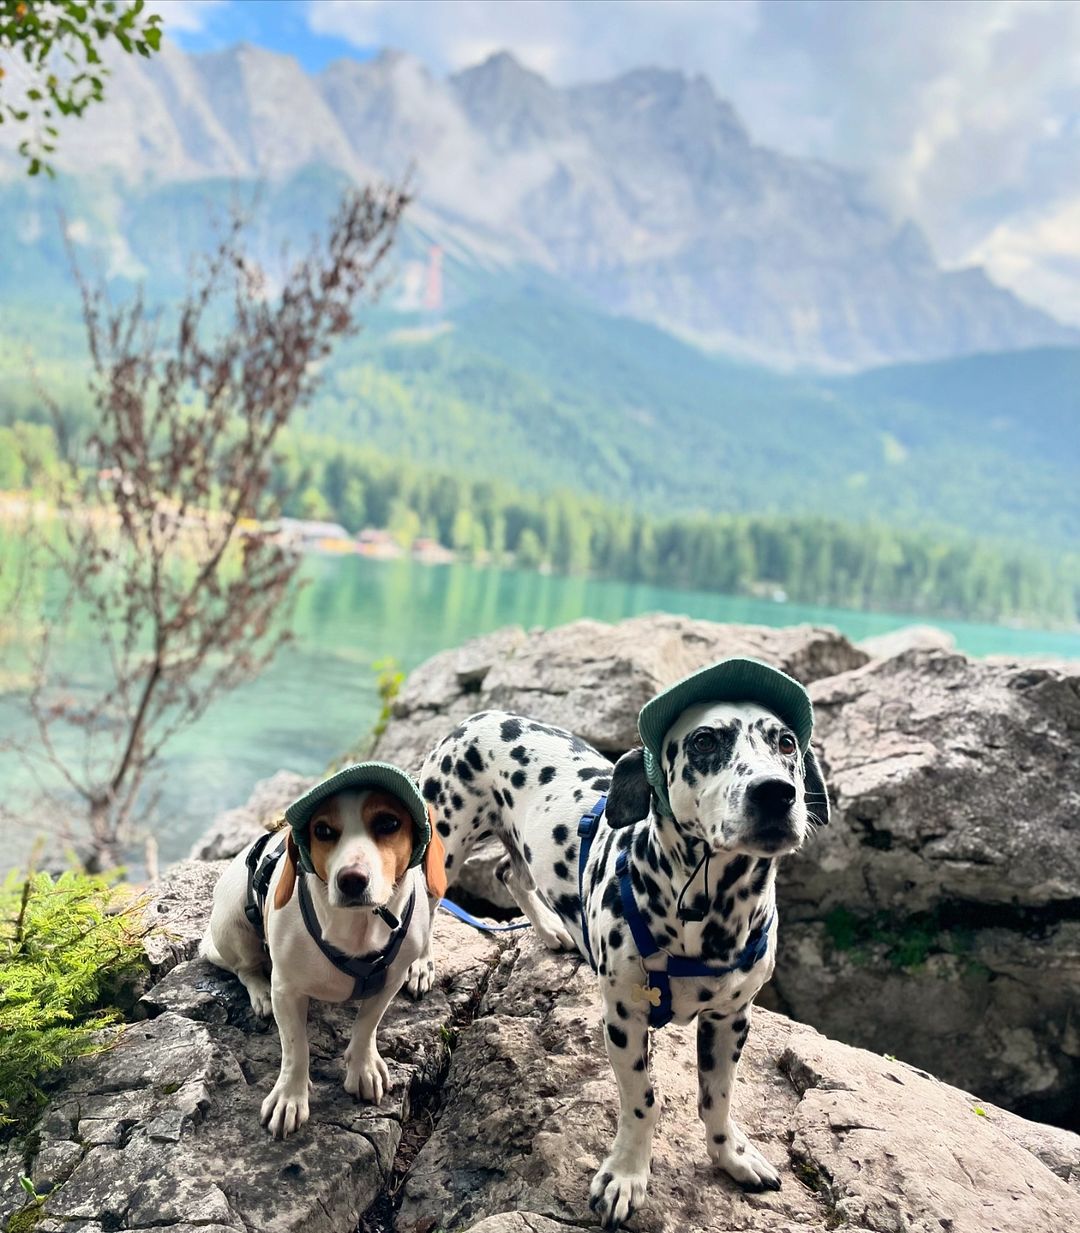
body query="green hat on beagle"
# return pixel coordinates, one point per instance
(358, 777)
(730, 680)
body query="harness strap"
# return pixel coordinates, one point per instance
(260, 871)
(660, 1008)
(469, 919)
(368, 975)
(586, 834)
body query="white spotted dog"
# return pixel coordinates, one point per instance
(677, 883)
(339, 909)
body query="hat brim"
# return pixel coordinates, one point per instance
(358, 777)
(730, 680)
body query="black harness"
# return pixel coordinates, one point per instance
(368, 973)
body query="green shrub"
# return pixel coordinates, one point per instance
(67, 947)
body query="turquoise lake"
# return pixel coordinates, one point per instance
(318, 698)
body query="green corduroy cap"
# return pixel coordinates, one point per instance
(358, 777)
(730, 680)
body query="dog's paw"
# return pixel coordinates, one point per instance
(260, 999)
(614, 1195)
(420, 978)
(554, 935)
(285, 1110)
(741, 1159)
(366, 1075)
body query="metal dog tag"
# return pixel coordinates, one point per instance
(645, 993)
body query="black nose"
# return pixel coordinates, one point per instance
(773, 797)
(352, 883)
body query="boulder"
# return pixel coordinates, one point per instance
(863, 1142)
(938, 916)
(233, 830)
(589, 677)
(907, 638)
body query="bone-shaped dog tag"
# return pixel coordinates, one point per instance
(645, 993)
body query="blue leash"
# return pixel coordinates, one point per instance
(469, 919)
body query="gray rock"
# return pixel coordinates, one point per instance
(907, 638)
(161, 1129)
(177, 911)
(234, 829)
(589, 677)
(937, 917)
(863, 1142)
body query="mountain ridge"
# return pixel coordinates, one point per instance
(645, 193)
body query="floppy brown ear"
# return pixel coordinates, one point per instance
(287, 882)
(435, 862)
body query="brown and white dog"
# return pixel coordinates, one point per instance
(362, 845)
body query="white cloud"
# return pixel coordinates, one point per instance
(966, 114)
(186, 15)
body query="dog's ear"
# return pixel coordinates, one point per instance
(435, 862)
(629, 796)
(287, 881)
(814, 790)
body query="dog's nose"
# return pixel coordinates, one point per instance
(352, 883)
(773, 797)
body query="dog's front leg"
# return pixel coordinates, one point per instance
(366, 1073)
(620, 1183)
(285, 1110)
(720, 1039)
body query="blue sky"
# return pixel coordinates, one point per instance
(280, 25)
(965, 114)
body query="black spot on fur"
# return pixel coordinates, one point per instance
(519, 755)
(508, 798)
(518, 779)
(510, 730)
(560, 833)
(464, 771)
(498, 796)
(474, 759)
(528, 852)
(547, 774)
(601, 785)
(446, 764)
(615, 939)
(457, 801)
(561, 871)
(431, 789)
(566, 905)
(616, 1035)
(443, 828)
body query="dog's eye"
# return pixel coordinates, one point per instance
(787, 744)
(386, 824)
(324, 833)
(703, 741)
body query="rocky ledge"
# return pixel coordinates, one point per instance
(501, 1108)
(936, 919)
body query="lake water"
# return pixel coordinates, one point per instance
(319, 697)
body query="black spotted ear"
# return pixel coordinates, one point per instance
(630, 796)
(817, 796)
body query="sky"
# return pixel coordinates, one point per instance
(964, 114)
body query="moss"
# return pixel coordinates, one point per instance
(167, 1089)
(67, 946)
(907, 941)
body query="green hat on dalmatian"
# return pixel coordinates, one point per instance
(358, 777)
(731, 680)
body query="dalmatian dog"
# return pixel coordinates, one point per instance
(742, 794)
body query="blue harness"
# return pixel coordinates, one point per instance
(657, 988)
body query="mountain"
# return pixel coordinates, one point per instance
(644, 194)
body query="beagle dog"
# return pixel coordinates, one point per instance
(335, 907)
